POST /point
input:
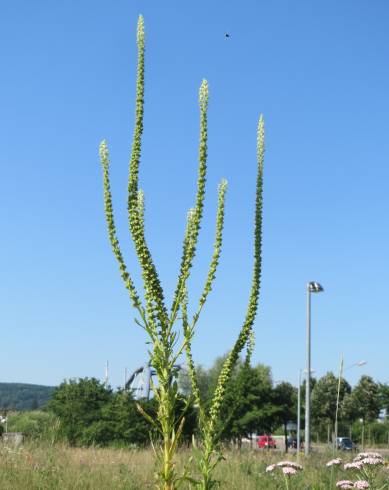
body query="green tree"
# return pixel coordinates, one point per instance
(285, 401)
(384, 397)
(121, 422)
(324, 396)
(248, 406)
(208, 378)
(363, 403)
(79, 406)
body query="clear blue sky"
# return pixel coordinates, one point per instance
(319, 73)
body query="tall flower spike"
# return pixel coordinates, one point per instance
(246, 329)
(141, 206)
(104, 158)
(189, 252)
(153, 291)
(140, 32)
(217, 247)
(250, 348)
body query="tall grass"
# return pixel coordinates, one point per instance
(37, 466)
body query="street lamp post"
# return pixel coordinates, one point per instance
(299, 415)
(312, 287)
(299, 410)
(341, 371)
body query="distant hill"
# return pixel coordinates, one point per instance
(21, 396)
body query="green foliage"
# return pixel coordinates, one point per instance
(377, 433)
(78, 405)
(248, 404)
(364, 401)
(91, 414)
(324, 397)
(384, 396)
(122, 423)
(20, 396)
(39, 467)
(210, 420)
(285, 402)
(35, 425)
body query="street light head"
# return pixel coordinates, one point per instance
(361, 363)
(315, 287)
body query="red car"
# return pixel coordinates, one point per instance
(266, 442)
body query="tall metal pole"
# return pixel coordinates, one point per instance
(337, 403)
(308, 378)
(299, 415)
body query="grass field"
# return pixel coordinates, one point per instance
(35, 466)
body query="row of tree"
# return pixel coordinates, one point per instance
(91, 413)
(363, 403)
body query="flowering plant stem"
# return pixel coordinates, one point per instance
(286, 480)
(154, 317)
(209, 421)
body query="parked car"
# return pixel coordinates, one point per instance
(291, 442)
(266, 442)
(345, 444)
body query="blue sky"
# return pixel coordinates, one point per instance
(319, 73)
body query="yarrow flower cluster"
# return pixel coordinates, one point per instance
(362, 459)
(355, 465)
(288, 468)
(361, 484)
(345, 484)
(290, 464)
(373, 459)
(368, 455)
(334, 462)
(366, 467)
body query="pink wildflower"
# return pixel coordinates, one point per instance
(345, 484)
(287, 470)
(372, 461)
(368, 455)
(290, 464)
(270, 468)
(361, 484)
(356, 465)
(334, 462)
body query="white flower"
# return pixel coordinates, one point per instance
(368, 455)
(356, 465)
(334, 462)
(290, 464)
(372, 461)
(287, 470)
(345, 484)
(361, 484)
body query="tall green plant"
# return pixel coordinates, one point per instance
(208, 421)
(154, 316)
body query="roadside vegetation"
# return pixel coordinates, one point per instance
(85, 412)
(43, 466)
